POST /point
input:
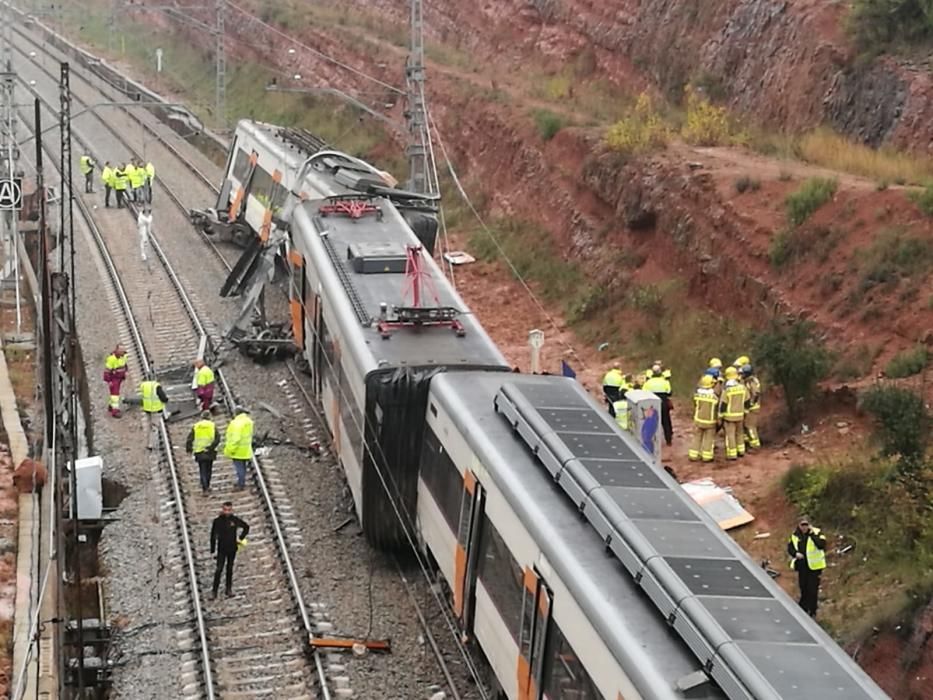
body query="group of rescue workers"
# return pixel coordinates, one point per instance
(727, 399)
(131, 181)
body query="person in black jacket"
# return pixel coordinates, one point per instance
(806, 548)
(202, 441)
(224, 541)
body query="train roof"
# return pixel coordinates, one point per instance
(651, 655)
(363, 262)
(645, 535)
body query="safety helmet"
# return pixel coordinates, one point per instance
(731, 373)
(712, 372)
(715, 363)
(742, 360)
(706, 381)
(746, 370)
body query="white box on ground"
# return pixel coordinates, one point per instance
(644, 411)
(88, 473)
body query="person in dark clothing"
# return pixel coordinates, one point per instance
(807, 550)
(202, 441)
(224, 541)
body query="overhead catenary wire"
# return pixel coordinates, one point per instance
(499, 248)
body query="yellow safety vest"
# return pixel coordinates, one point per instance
(204, 433)
(734, 399)
(204, 376)
(114, 362)
(621, 411)
(119, 179)
(658, 385)
(816, 557)
(106, 176)
(86, 165)
(150, 171)
(238, 443)
(137, 177)
(704, 414)
(151, 401)
(613, 377)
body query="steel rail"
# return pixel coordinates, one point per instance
(257, 468)
(120, 291)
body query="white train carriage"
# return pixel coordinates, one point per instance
(262, 167)
(649, 599)
(371, 349)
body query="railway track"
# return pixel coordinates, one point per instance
(257, 645)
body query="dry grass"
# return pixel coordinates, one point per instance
(830, 150)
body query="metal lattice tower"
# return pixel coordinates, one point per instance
(416, 150)
(220, 96)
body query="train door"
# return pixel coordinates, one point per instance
(316, 355)
(536, 618)
(468, 546)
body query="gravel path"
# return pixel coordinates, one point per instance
(358, 590)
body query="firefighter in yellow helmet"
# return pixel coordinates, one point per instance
(732, 412)
(704, 421)
(752, 405)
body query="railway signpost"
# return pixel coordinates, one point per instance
(11, 194)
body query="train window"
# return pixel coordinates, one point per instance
(564, 675)
(442, 478)
(501, 576)
(261, 187)
(241, 165)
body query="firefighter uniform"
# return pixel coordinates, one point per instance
(704, 421)
(732, 412)
(752, 406)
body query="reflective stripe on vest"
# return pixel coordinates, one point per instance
(753, 387)
(151, 401)
(734, 398)
(816, 557)
(239, 438)
(705, 412)
(204, 376)
(204, 433)
(114, 362)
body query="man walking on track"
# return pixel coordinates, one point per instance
(144, 227)
(225, 542)
(202, 441)
(807, 550)
(114, 375)
(238, 444)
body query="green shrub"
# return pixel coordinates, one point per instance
(906, 363)
(901, 421)
(804, 486)
(640, 130)
(892, 255)
(809, 197)
(548, 123)
(789, 244)
(794, 357)
(747, 184)
(877, 24)
(924, 199)
(779, 251)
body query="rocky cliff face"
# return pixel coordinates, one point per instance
(786, 63)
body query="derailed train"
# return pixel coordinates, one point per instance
(580, 570)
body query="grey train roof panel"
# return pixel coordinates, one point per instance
(751, 636)
(652, 656)
(408, 346)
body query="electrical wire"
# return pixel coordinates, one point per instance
(534, 297)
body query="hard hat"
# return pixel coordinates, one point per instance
(715, 362)
(746, 370)
(742, 360)
(731, 373)
(205, 415)
(712, 372)
(706, 381)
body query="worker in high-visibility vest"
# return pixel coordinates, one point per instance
(138, 182)
(86, 165)
(806, 548)
(106, 177)
(120, 183)
(238, 443)
(660, 385)
(619, 408)
(203, 384)
(154, 399)
(202, 443)
(114, 374)
(612, 380)
(150, 179)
